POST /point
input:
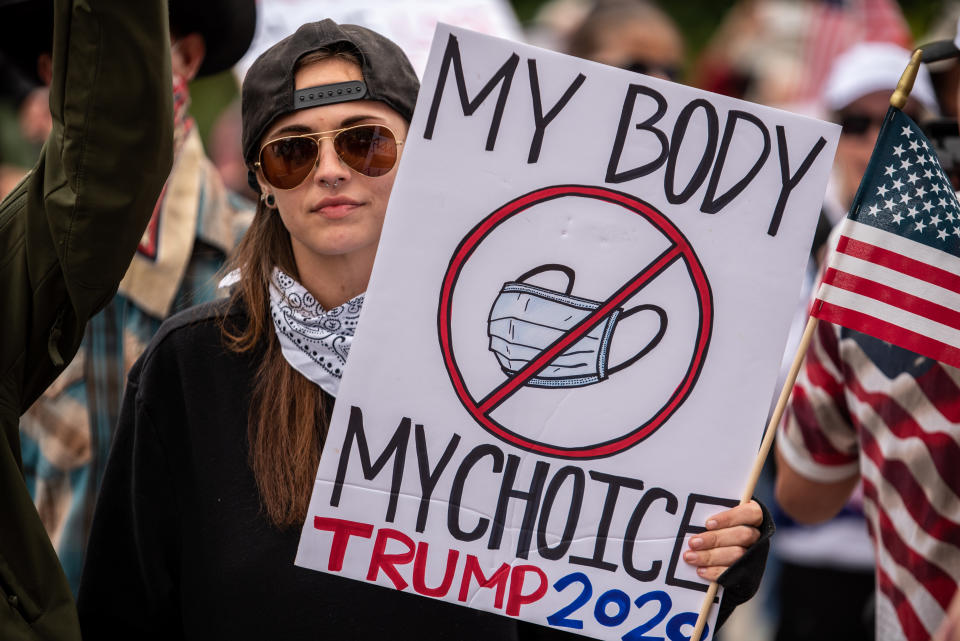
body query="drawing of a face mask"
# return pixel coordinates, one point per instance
(526, 319)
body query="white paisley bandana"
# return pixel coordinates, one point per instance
(315, 342)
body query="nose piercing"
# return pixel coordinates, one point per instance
(333, 186)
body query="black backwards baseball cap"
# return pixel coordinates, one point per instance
(268, 88)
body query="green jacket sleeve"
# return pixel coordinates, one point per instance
(101, 170)
(67, 234)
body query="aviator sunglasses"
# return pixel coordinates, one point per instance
(647, 68)
(370, 150)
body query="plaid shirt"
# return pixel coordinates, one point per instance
(66, 434)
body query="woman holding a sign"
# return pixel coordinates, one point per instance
(225, 414)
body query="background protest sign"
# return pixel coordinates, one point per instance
(409, 23)
(571, 334)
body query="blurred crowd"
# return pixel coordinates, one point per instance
(833, 60)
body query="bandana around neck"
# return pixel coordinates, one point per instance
(315, 342)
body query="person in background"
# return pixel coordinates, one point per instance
(631, 34)
(31, 105)
(224, 149)
(554, 22)
(224, 418)
(27, 63)
(867, 413)
(856, 96)
(66, 433)
(67, 233)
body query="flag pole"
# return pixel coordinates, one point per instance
(761, 457)
(898, 100)
(902, 92)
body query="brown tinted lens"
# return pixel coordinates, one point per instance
(369, 149)
(287, 162)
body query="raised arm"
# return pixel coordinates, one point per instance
(84, 207)
(67, 233)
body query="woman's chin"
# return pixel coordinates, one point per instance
(332, 246)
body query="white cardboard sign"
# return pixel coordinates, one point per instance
(573, 327)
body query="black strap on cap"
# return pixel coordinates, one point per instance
(329, 94)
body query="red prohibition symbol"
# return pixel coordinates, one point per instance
(679, 250)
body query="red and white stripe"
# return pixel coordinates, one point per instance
(893, 288)
(911, 490)
(833, 28)
(908, 436)
(882, 21)
(827, 36)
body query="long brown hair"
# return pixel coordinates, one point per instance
(287, 422)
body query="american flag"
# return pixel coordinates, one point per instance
(895, 273)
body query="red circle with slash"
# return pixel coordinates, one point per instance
(680, 249)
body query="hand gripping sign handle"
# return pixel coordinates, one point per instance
(761, 457)
(571, 276)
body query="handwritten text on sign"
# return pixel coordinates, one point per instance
(575, 320)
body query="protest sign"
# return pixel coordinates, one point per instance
(572, 330)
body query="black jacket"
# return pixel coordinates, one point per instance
(179, 547)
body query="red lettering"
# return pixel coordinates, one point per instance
(516, 597)
(499, 578)
(418, 553)
(379, 560)
(342, 531)
(420, 570)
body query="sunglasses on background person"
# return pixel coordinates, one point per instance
(855, 123)
(370, 150)
(648, 68)
(858, 124)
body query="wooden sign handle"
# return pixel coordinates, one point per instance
(761, 457)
